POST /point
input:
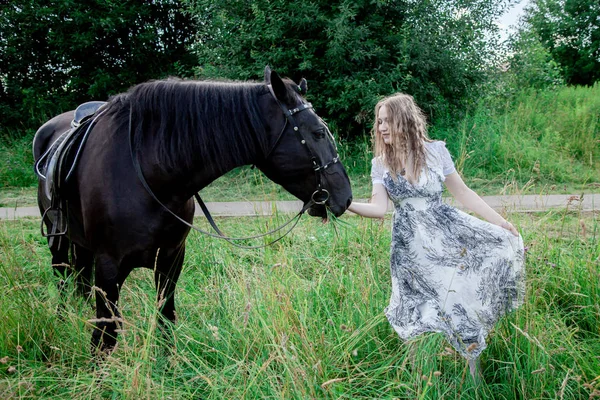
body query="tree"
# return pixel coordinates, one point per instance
(570, 31)
(531, 64)
(353, 52)
(55, 54)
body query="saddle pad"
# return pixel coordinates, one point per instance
(50, 168)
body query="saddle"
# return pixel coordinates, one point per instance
(55, 167)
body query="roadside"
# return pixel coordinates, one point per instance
(503, 204)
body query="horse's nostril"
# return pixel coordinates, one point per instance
(349, 202)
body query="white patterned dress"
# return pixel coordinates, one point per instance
(451, 272)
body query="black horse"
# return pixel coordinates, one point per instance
(183, 135)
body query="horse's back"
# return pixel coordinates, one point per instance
(47, 133)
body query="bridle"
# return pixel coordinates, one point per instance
(289, 119)
(319, 169)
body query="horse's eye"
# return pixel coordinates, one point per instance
(320, 133)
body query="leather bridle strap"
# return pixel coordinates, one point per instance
(288, 118)
(221, 235)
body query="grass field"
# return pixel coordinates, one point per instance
(304, 317)
(300, 319)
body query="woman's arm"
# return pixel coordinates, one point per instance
(473, 202)
(377, 207)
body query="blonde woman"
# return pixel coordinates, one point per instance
(451, 272)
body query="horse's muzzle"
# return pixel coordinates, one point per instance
(321, 209)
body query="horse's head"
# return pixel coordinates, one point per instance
(301, 154)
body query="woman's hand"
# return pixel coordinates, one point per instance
(377, 206)
(509, 227)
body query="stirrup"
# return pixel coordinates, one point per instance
(59, 215)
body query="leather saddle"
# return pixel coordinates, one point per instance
(55, 167)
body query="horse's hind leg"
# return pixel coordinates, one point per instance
(109, 278)
(166, 273)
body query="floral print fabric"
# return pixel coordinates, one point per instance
(451, 272)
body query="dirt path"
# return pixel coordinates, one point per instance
(528, 203)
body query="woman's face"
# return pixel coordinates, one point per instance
(382, 125)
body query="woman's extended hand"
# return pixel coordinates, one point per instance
(509, 227)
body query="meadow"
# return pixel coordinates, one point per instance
(304, 318)
(300, 319)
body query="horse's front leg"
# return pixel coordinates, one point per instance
(109, 279)
(166, 273)
(59, 248)
(83, 259)
(61, 266)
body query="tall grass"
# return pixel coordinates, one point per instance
(16, 162)
(300, 319)
(542, 138)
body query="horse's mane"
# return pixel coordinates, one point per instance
(190, 121)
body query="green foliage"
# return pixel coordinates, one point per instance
(354, 51)
(530, 64)
(536, 138)
(299, 319)
(57, 54)
(16, 162)
(568, 29)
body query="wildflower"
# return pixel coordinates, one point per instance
(215, 331)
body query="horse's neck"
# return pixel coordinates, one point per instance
(218, 150)
(184, 184)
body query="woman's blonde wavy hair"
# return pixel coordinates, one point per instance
(408, 131)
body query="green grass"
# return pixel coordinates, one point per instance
(300, 319)
(16, 163)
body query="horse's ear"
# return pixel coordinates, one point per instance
(303, 86)
(267, 75)
(277, 84)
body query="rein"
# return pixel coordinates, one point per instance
(317, 168)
